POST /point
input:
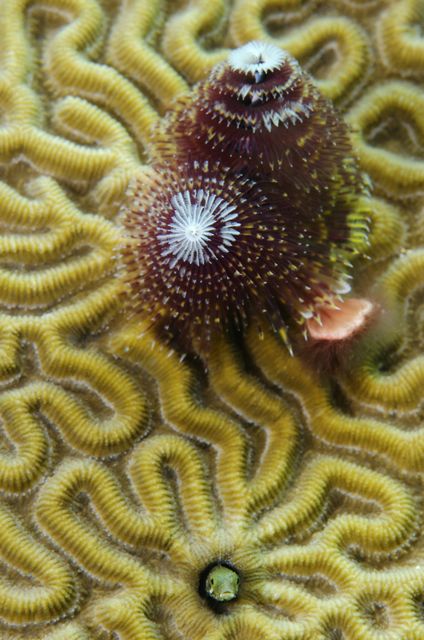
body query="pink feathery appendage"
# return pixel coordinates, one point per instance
(341, 322)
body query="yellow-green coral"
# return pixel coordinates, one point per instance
(124, 472)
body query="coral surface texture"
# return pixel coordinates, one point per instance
(127, 474)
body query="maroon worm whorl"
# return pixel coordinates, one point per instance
(205, 249)
(260, 113)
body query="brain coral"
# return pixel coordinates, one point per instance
(126, 473)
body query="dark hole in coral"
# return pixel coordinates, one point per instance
(377, 614)
(389, 359)
(335, 634)
(339, 398)
(418, 601)
(214, 604)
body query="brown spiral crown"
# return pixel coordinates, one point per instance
(260, 113)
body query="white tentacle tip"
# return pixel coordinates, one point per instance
(257, 58)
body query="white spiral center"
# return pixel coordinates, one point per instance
(202, 226)
(257, 58)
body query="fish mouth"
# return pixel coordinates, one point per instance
(226, 595)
